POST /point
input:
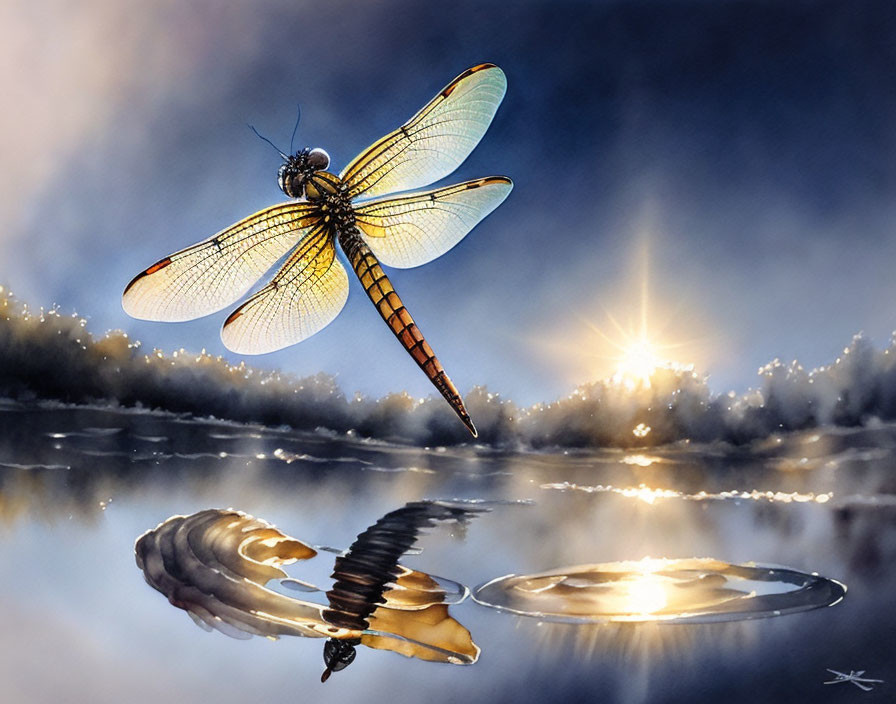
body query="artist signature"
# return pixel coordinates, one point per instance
(855, 677)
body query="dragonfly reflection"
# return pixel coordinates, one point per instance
(311, 288)
(216, 565)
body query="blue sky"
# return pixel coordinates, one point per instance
(749, 147)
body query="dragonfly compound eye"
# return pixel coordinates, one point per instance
(318, 159)
(281, 177)
(291, 180)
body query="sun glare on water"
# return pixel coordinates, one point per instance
(646, 594)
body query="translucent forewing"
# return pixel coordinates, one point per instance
(216, 272)
(435, 141)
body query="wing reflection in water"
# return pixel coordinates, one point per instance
(696, 590)
(216, 565)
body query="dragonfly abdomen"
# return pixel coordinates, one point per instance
(387, 301)
(370, 567)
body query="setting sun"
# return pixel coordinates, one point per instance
(638, 356)
(637, 348)
(637, 362)
(626, 337)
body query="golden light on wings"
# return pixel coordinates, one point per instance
(413, 230)
(311, 288)
(216, 272)
(435, 141)
(303, 297)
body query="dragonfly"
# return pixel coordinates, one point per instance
(359, 211)
(863, 683)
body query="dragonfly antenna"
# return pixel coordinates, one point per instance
(298, 119)
(265, 139)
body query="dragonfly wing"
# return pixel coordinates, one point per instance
(303, 297)
(435, 141)
(413, 230)
(412, 591)
(214, 273)
(429, 634)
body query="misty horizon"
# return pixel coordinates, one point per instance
(49, 356)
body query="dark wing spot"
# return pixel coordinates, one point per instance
(152, 270)
(159, 265)
(233, 316)
(469, 72)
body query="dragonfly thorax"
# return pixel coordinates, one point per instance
(335, 206)
(298, 168)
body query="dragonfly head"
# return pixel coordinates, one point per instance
(298, 168)
(338, 655)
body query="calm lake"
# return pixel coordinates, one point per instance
(79, 485)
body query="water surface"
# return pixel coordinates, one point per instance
(79, 485)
